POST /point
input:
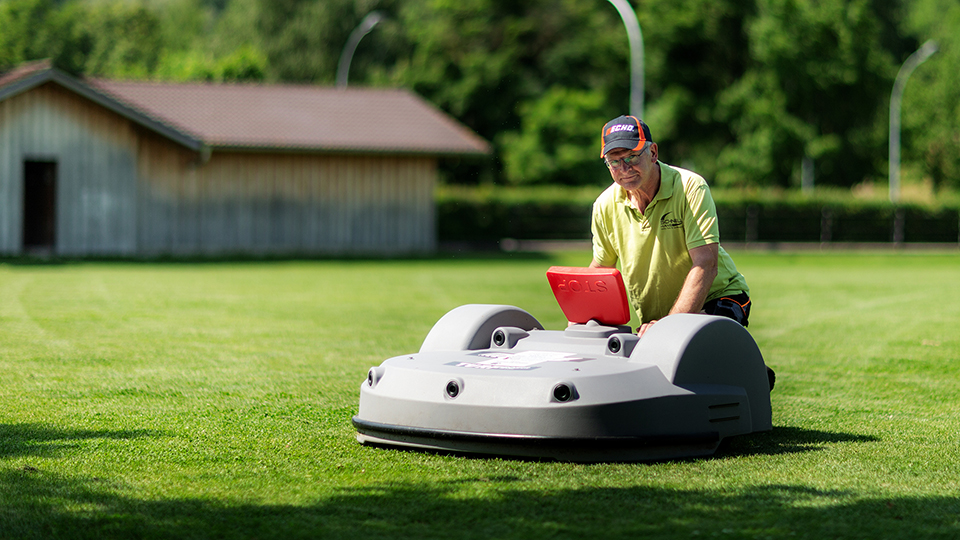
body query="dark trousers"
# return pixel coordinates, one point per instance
(736, 307)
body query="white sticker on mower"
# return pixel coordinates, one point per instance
(529, 358)
(518, 361)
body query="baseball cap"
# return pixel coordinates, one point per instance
(624, 132)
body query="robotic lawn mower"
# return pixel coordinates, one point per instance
(489, 379)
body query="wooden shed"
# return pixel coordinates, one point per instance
(99, 167)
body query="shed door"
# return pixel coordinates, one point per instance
(39, 204)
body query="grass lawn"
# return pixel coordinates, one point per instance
(214, 401)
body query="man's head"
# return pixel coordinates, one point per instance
(630, 155)
(624, 132)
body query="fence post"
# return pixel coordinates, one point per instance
(826, 225)
(753, 223)
(899, 221)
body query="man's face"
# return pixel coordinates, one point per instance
(632, 176)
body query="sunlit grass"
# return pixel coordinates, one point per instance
(214, 400)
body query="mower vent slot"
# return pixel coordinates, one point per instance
(724, 412)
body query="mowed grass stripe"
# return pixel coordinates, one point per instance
(214, 400)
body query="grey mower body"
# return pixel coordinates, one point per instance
(490, 380)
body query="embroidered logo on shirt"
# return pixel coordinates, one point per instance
(667, 222)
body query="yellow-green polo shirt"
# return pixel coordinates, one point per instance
(652, 247)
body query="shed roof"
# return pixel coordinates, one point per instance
(270, 117)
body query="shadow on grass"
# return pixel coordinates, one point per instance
(44, 441)
(786, 440)
(39, 505)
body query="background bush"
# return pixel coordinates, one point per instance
(487, 215)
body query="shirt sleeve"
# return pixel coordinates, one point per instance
(603, 251)
(700, 223)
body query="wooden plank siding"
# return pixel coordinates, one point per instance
(96, 166)
(282, 203)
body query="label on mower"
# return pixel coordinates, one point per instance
(525, 360)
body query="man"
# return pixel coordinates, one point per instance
(660, 223)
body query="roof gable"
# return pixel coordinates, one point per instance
(269, 117)
(31, 75)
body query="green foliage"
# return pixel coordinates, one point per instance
(125, 39)
(245, 64)
(119, 39)
(501, 66)
(303, 39)
(740, 91)
(122, 39)
(35, 29)
(931, 101)
(694, 50)
(557, 143)
(824, 99)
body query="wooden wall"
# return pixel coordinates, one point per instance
(125, 190)
(283, 203)
(95, 152)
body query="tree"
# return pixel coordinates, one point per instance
(303, 38)
(499, 65)
(246, 64)
(35, 29)
(125, 39)
(558, 139)
(741, 91)
(695, 51)
(210, 40)
(931, 102)
(116, 38)
(816, 87)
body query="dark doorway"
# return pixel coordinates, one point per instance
(39, 205)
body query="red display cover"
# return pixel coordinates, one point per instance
(586, 294)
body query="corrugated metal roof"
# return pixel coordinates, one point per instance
(298, 117)
(269, 117)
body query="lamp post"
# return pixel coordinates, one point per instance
(636, 55)
(346, 56)
(896, 96)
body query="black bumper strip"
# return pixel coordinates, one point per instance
(388, 431)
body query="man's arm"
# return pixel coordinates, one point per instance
(697, 284)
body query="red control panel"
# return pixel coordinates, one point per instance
(586, 294)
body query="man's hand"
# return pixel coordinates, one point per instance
(644, 327)
(697, 284)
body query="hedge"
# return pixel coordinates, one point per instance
(482, 215)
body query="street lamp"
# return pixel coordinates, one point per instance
(346, 56)
(915, 59)
(636, 55)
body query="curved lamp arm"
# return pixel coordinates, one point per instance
(346, 56)
(636, 55)
(896, 96)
